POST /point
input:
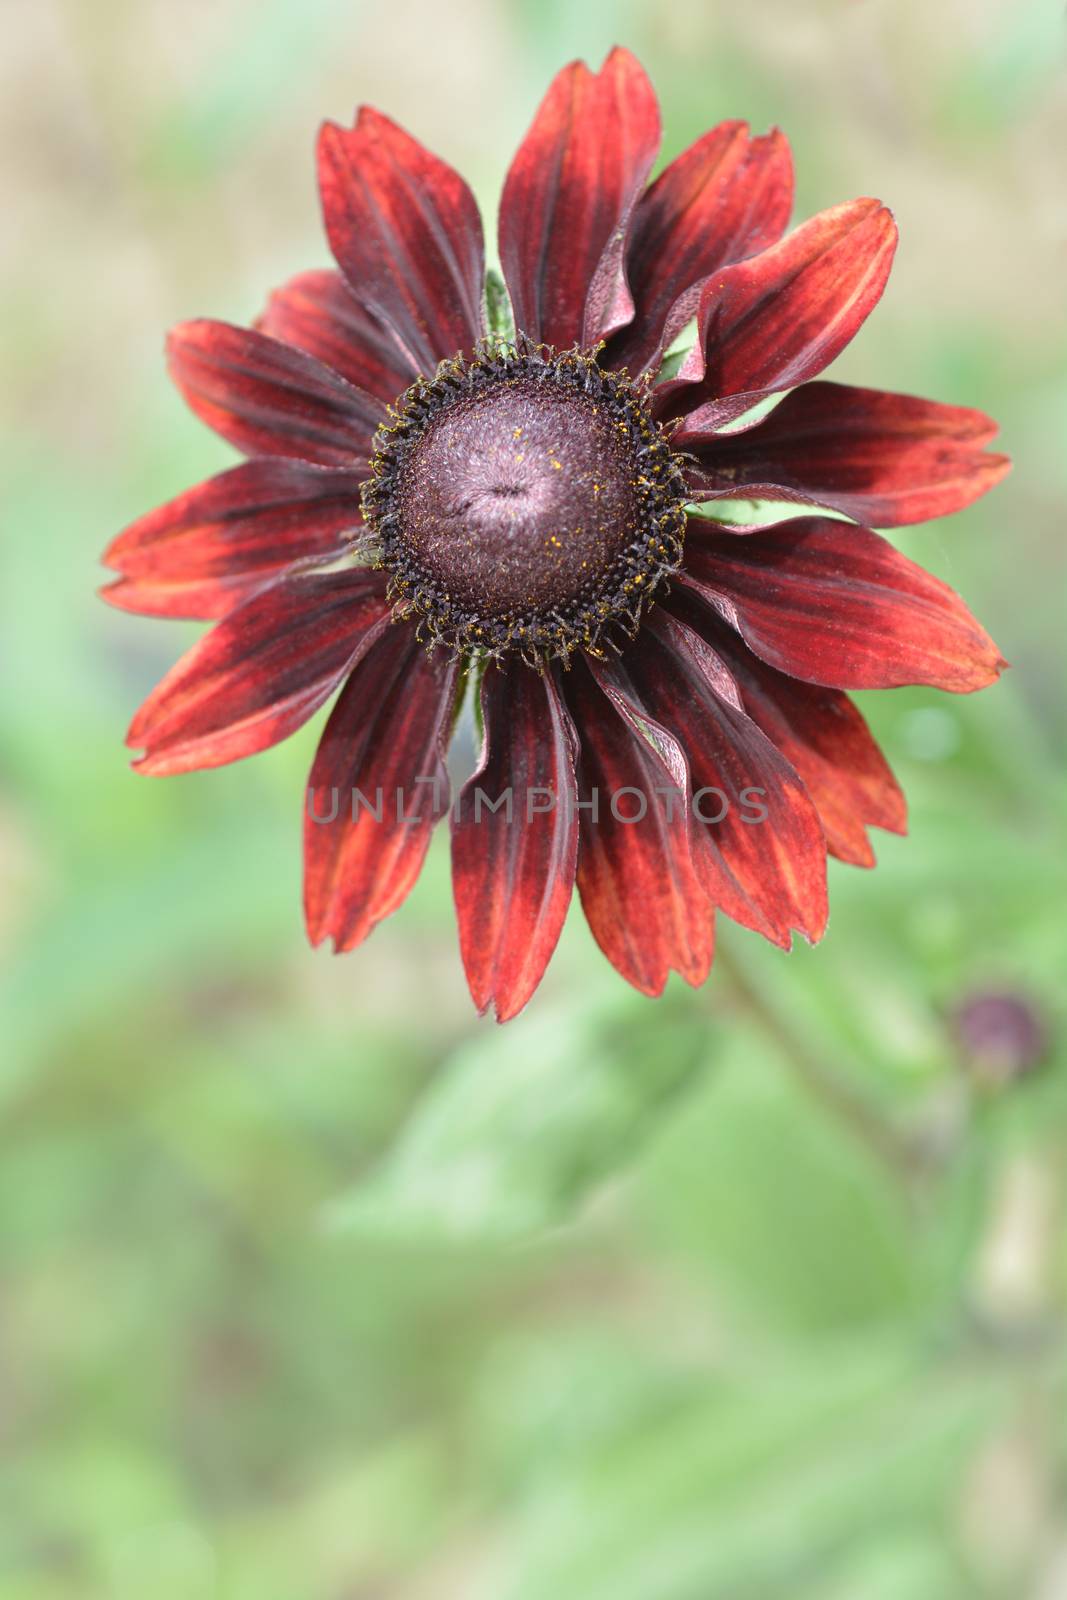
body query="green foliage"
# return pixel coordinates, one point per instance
(511, 1137)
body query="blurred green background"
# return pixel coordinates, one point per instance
(314, 1286)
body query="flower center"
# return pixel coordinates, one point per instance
(524, 501)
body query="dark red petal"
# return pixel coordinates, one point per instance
(568, 199)
(204, 551)
(318, 312)
(770, 836)
(513, 875)
(406, 233)
(643, 898)
(885, 459)
(723, 889)
(377, 787)
(836, 604)
(726, 197)
(820, 732)
(260, 673)
(779, 318)
(269, 399)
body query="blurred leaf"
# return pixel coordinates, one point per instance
(745, 1491)
(779, 1203)
(902, 1564)
(521, 1124)
(547, 1404)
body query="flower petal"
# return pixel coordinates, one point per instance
(779, 318)
(207, 549)
(405, 230)
(755, 808)
(260, 673)
(726, 197)
(513, 868)
(819, 732)
(619, 683)
(317, 312)
(643, 898)
(568, 199)
(269, 399)
(885, 459)
(836, 604)
(377, 787)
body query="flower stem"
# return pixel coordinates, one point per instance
(498, 308)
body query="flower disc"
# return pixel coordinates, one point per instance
(525, 501)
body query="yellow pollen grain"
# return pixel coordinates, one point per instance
(557, 464)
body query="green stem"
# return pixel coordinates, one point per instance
(498, 308)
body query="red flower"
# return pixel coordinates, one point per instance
(429, 503)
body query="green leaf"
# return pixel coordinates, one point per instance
(517, 1130)
(779, 1203)
(751, 1486)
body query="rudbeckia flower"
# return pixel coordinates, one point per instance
(507, 490)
